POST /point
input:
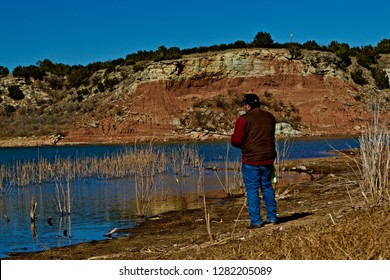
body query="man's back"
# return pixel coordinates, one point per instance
(258, 140)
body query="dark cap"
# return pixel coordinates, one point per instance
(251, 99)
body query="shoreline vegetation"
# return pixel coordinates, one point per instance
(322, 215)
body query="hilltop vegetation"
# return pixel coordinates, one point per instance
(78, 75)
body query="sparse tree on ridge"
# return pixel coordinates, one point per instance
(239, 45)
(263, 40)
(383, 46)
(3, 71)
(344, 53)
(311, 45)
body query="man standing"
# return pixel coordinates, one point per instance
(254, 134)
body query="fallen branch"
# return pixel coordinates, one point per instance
(33, 209)
(330, 215)
(111, 232)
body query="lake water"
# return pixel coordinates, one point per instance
(98, 206)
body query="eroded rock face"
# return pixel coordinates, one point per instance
(242, 63)
(198, 96)
(179, 98)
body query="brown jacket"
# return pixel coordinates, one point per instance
(254, 134)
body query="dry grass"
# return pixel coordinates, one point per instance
(374, 162)
(283, 150)
(146, 182)
(111, 166)
(359, 237)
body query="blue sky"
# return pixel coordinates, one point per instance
(85, 31)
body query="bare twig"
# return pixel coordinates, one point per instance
(330, 215)
(207, 218)
(238, 217)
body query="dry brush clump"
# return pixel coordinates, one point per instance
(373, 165)
(146, 178)
(232, 180)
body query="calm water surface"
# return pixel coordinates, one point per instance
(98, 206)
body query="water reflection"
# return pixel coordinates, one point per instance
(33, 229)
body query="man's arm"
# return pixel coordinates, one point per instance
(238, 133)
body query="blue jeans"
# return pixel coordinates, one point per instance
(258, 177)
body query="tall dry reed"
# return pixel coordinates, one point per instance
(185, 159)
(147, 164)
(283, 150)
(63, 197)
(374, 162)
(146, 184)
(2, 176)
(232, 180)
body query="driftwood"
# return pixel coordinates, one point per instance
(33, 209)
(111, 232)
(55, 138)
(34, 231)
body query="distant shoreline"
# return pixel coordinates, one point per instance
(42, 141)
